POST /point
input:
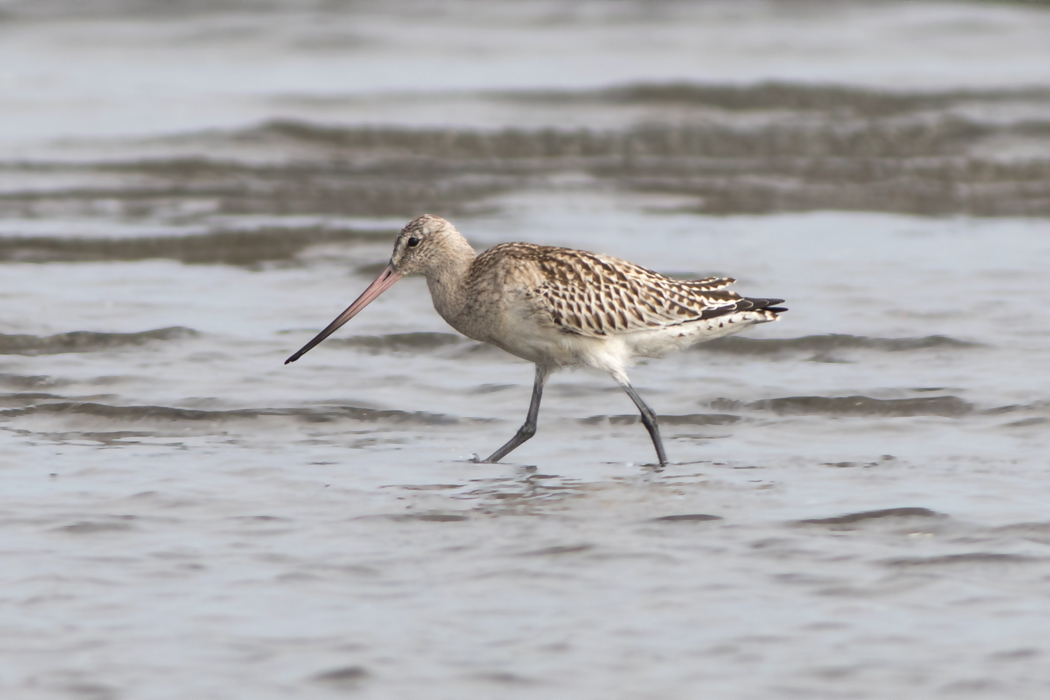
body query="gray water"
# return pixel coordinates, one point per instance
(857, 505)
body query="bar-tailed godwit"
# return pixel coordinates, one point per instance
(559, 307)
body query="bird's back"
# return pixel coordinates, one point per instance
(569, 303)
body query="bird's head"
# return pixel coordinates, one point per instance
(429, 245)
(421, 243)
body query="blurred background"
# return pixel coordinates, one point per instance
(190, 190)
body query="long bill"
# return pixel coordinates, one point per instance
(382, 283)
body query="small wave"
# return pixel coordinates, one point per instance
(821, 344)
(1039, 408)
(419, 517)
(558, 550)
(951, 560)
(1027, 422)
(886, 514)
(112, 438)
(947, 406)
(399, 342)
(18, 381)
(94, 527)
(686, 518)
(688, 419)
(344, 678)
(169, 414)
(799, 97)
(242, 247)
(26, 399)
(86, 341)
(1037, 530)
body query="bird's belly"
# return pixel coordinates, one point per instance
(549, 347)
(518, 329)
(552, 347)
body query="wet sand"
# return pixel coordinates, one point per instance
(856, 505)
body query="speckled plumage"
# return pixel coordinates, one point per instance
(598, 296)
(559, 307)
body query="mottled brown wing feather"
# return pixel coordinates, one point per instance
(708, 284)
(597, 295)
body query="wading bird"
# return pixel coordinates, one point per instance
(559, 307)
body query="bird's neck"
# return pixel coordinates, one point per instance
(447, 280)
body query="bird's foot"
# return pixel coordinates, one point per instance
(654, 467)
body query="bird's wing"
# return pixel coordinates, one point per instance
(597, 295)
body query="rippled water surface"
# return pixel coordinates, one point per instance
(857, 504)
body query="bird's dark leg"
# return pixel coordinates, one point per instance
(529, 429)
(648, 420)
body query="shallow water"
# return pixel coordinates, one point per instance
(857, 504)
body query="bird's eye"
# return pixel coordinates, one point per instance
(413, 242)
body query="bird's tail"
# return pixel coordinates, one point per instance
(767, 305)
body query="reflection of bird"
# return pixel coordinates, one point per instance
(559, 307)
